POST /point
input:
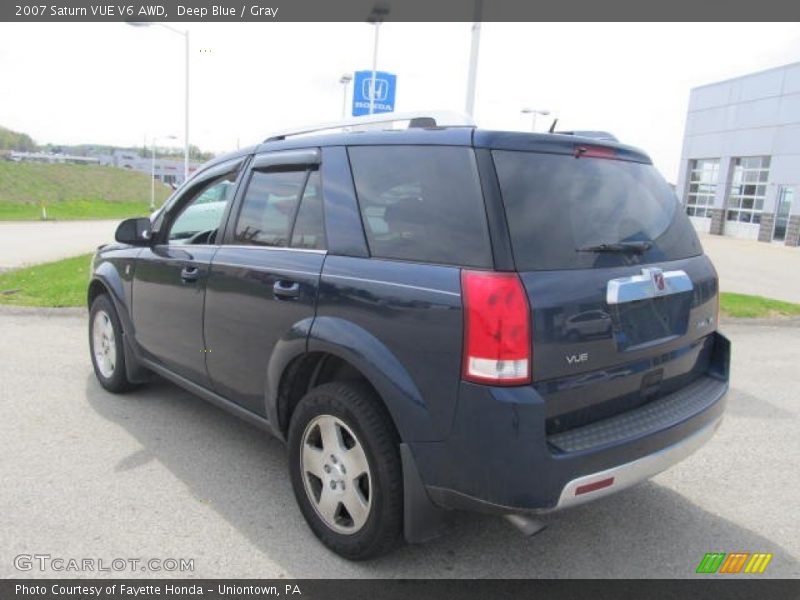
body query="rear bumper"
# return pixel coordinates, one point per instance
(624, 476)
(499, 460)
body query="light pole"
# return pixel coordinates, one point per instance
(472, 74)
(345, 80)
(185, 34)
(376, 17)
(534, 112)
(153, 172)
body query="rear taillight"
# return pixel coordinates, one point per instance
(497, 328)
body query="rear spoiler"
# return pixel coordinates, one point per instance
(595, 135)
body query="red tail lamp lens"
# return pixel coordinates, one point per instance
(583, 151)
(497, 331)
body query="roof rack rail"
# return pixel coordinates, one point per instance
(597, 135)
(415, 119)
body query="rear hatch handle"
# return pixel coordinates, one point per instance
(652, 283)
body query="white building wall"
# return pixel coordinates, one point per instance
(754, 115)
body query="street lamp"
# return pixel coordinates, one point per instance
(344, 80)
(185, 34)
(376, 17)
(153, 171)
(534, 112)
(474, 49)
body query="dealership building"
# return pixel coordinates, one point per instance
(167, 171)
(740, 164)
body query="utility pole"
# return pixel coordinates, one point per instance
(345, 80)
(472, 74)
(376, 17)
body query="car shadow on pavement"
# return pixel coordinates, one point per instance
(239, 471)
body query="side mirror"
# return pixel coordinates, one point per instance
(135, 232)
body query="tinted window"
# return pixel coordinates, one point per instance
(557, 204)
(309, 228)
(422, 203)
(201, 217)
(268, 208)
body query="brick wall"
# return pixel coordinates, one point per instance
(793, 231)
(717, 221)
(765, 229)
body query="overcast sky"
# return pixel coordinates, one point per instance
(111, 83)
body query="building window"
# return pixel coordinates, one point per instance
(703, 176)
(748, 189)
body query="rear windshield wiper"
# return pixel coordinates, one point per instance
(620, 247)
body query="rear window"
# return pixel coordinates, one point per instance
(422, 204)
(557, 204)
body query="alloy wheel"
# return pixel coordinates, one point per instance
(336, 474)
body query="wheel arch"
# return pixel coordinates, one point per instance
(338, 350)
(96, 288)
(107, 280)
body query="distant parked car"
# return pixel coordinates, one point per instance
(587, 324)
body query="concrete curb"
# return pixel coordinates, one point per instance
(771, 321)
(42, 311)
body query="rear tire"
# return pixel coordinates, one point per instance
(345, 468)
(106, 346)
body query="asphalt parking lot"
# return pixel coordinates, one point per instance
(160, 474)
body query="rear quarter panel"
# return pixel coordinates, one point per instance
(401, 324)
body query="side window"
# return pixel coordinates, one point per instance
(201, 217)
(422, 203)
(268, 208)
(270, 215)
(309, 227)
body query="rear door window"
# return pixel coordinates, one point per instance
(557, 205)
(268, 208)
(309, 227)
(422, 204)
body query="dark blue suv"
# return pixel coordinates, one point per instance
(432, 318)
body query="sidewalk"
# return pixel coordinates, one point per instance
(29, 242)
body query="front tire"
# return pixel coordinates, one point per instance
(106, 346)
(345, 469)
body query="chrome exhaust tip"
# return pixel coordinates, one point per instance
(525, 525)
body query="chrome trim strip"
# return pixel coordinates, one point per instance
(264, 268)
(243, 247)
(441, 118)
(402, 285)
(273, 248)
(642, 287)
(636, 471)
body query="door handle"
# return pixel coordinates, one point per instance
(286, 290)
(190, 273)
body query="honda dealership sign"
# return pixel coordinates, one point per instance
(385, 86)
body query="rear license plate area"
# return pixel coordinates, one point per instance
(643, 322)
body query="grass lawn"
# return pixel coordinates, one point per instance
(74, 209)
(63, 283)
(744, 306)
(74, 192)
(60, 283)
